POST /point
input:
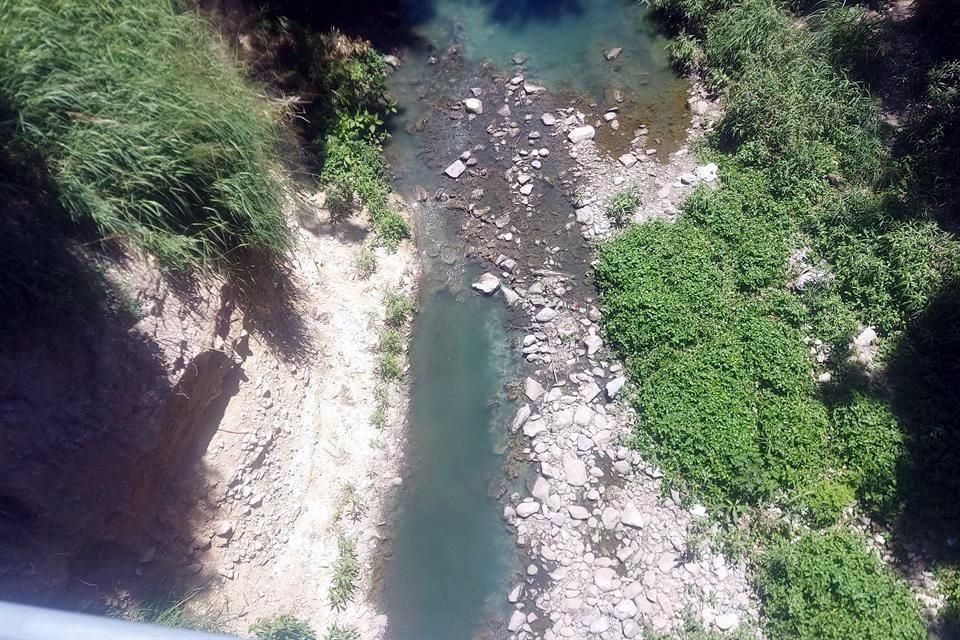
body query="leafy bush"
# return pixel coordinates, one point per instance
(870, 444)
(825, 501)
(827, 587)
(283, 627)
(144, 127)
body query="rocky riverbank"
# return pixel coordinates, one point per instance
(608, 552)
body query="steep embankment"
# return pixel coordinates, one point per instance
(203, 363)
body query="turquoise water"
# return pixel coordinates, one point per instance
(563, 40)
(453, 559)
(451, 552)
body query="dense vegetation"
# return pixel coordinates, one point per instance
(343, 81)
(143, 125)
(827, 587)
(744, 383)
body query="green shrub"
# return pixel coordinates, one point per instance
(391, 341)
(397, 309)
(389, 367)
(827, 587)
(337, 632)
(366, 263)
(825, 500)
(345, 573)
(621, 207)
(283, 627)
(871, 446)
(145, 127)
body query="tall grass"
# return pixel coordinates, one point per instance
(144, 126)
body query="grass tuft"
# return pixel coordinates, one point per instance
(145, 127)
(345, 573)
(283, 627)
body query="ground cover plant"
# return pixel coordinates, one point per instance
(744, 387)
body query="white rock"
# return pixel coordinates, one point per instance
(545, 315)
(514, 595)
(631, 629)
(583, 416)
(610, 116)
(606, 579)
(600, 625)
(548, 119)
(473, 105)
(688, 179)
(613, 54)
(613, 387)
(529, 87)
(577, 512)
(510, 296)
(487, 284)
(632, 590)
(517, 618)
(727, 621)
(533, 428)
(520, 418)
(589, 391)
(632, 517)
(393, 61)
(527, 509)
(628, 160)
(593, 343)
(541, 489)
(456, 169)
(524, 178)
(610, 518)
(698, 511)
(581, 134)
(584, 443)
(574, 470)
(866, 338)
(625, 609)
(532, 389)
(526, 189)
(504, 111)
(707, 173)
(585, 215)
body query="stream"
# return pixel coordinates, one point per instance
(452, 557)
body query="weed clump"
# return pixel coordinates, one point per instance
(345, 572)
(283, 627)
(622, 206)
